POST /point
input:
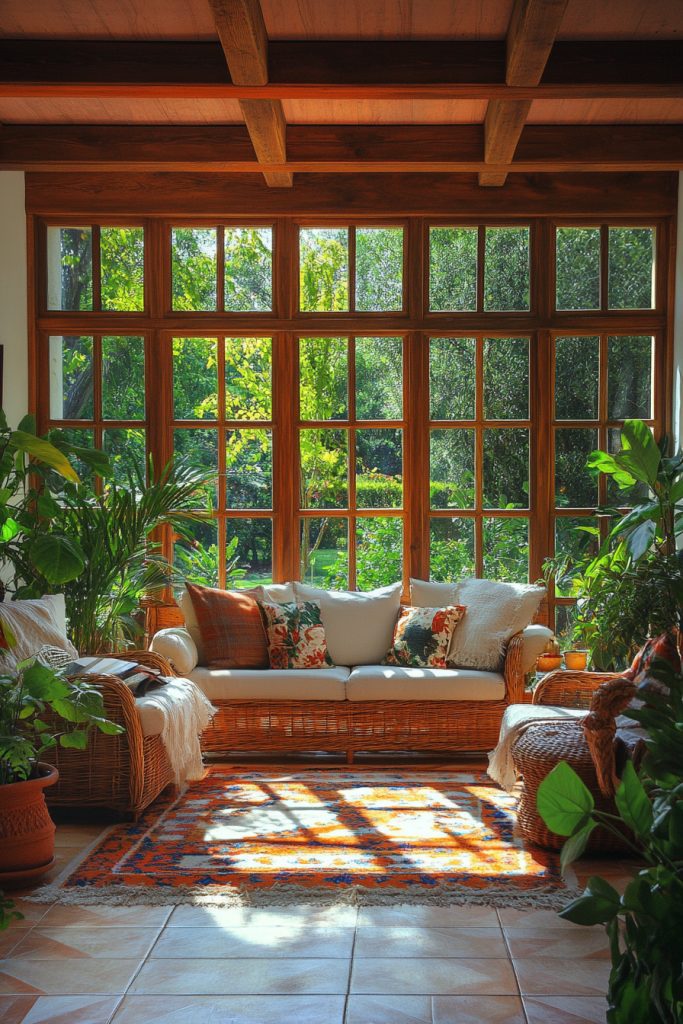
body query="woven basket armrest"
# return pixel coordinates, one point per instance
(569, 689)
(147, 659)
(609, 700)
(512, 670)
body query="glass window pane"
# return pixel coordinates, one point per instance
(629, 377)
(506, 549)
(123, 378)
(451, 549)
(194, 268)
(506, 378)
(630, 495)
(324, 552)
(71, 378)
(379, 378)
(126, 449)
(248, 269)
(195, 379)
(574, 485)
(122, 259)
(248, 378)
(577, 376)
(379, 552)
(79, 437)
(451, 378)
(452, 269)
(379, 468)
(573, 539)
(506, 269)
(578, 268)
(249, 469)
(323, 378)
(196, 554)
(324, 468)
(323, 269)
(506, 468)
(249, 552)
(69, 268)
(379, 269)
(200, 448)
(451, 477)
(631, 268)
(565, 616)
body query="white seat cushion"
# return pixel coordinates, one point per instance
(271, 684)
(388, 682)
(359, 626)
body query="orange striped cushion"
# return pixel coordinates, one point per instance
(231, 626)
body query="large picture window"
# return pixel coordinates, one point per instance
(376, 399)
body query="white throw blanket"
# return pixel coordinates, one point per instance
(186, 712)
(518, 718)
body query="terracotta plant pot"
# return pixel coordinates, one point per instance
(27, 832)
(576, 660)
(548, 662)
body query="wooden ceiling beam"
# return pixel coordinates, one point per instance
(342, 149)
(534, 25)
(242, 32)
(338, 70)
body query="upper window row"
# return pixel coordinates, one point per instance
(351, 269)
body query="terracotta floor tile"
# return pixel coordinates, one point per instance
(431, 942)
(389, 1010)
(427, 917)
(83, 943)
(13, 1009)
(477, 1010)
(11, 937)
(106, 917)
(231, 1010)
(296, 941)
(32, 911)
(539, 921)
(435, 976)
(242, 977)
(72, 1010)
(580, 977)
(66, 977)
(585, 942)
(565, 1009)
(262, 917)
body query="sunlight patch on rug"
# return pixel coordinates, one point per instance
(308, 835)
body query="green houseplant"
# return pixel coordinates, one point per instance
(645, 924)
(633, 587)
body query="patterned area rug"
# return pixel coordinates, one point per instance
(308, 835)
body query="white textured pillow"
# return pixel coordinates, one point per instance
(359, 626)
(177, 646)
(279, 593)
(495, 612)
(35, 623)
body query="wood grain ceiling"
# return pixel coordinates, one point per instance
(435, 65)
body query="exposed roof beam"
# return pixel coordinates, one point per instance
(242, 33)
(534, 25)
(342, 149)
(338, 70)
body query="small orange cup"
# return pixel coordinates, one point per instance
(576, 661)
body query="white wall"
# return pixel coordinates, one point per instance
(13, 296)
(678, 326)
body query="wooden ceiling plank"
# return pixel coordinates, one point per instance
(534, 25)
(242, 32)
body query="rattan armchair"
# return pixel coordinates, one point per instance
(125, 772)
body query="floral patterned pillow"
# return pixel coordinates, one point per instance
(296, 635)
(422, 636)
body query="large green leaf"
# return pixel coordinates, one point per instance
(563, 801)
(639, 454)
(599, 903)
(575, 845)
(45, 453)
(603, 462)
(639, 540)
(633, 802)
(59, 559)
(42, 683)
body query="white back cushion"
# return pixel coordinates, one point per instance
(359, 627)
(35, 623)
(495, 612)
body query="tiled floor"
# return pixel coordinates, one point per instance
(305, 965)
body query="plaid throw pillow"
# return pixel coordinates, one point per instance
(422, 636)
(296, 635)
(230, 626)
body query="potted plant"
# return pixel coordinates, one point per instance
(645, 924)
(39, 707)
(631, 589)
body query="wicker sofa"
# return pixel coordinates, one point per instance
(352, 708)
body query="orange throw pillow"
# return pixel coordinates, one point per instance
(231, 626)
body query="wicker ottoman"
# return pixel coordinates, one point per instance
(535, 754)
